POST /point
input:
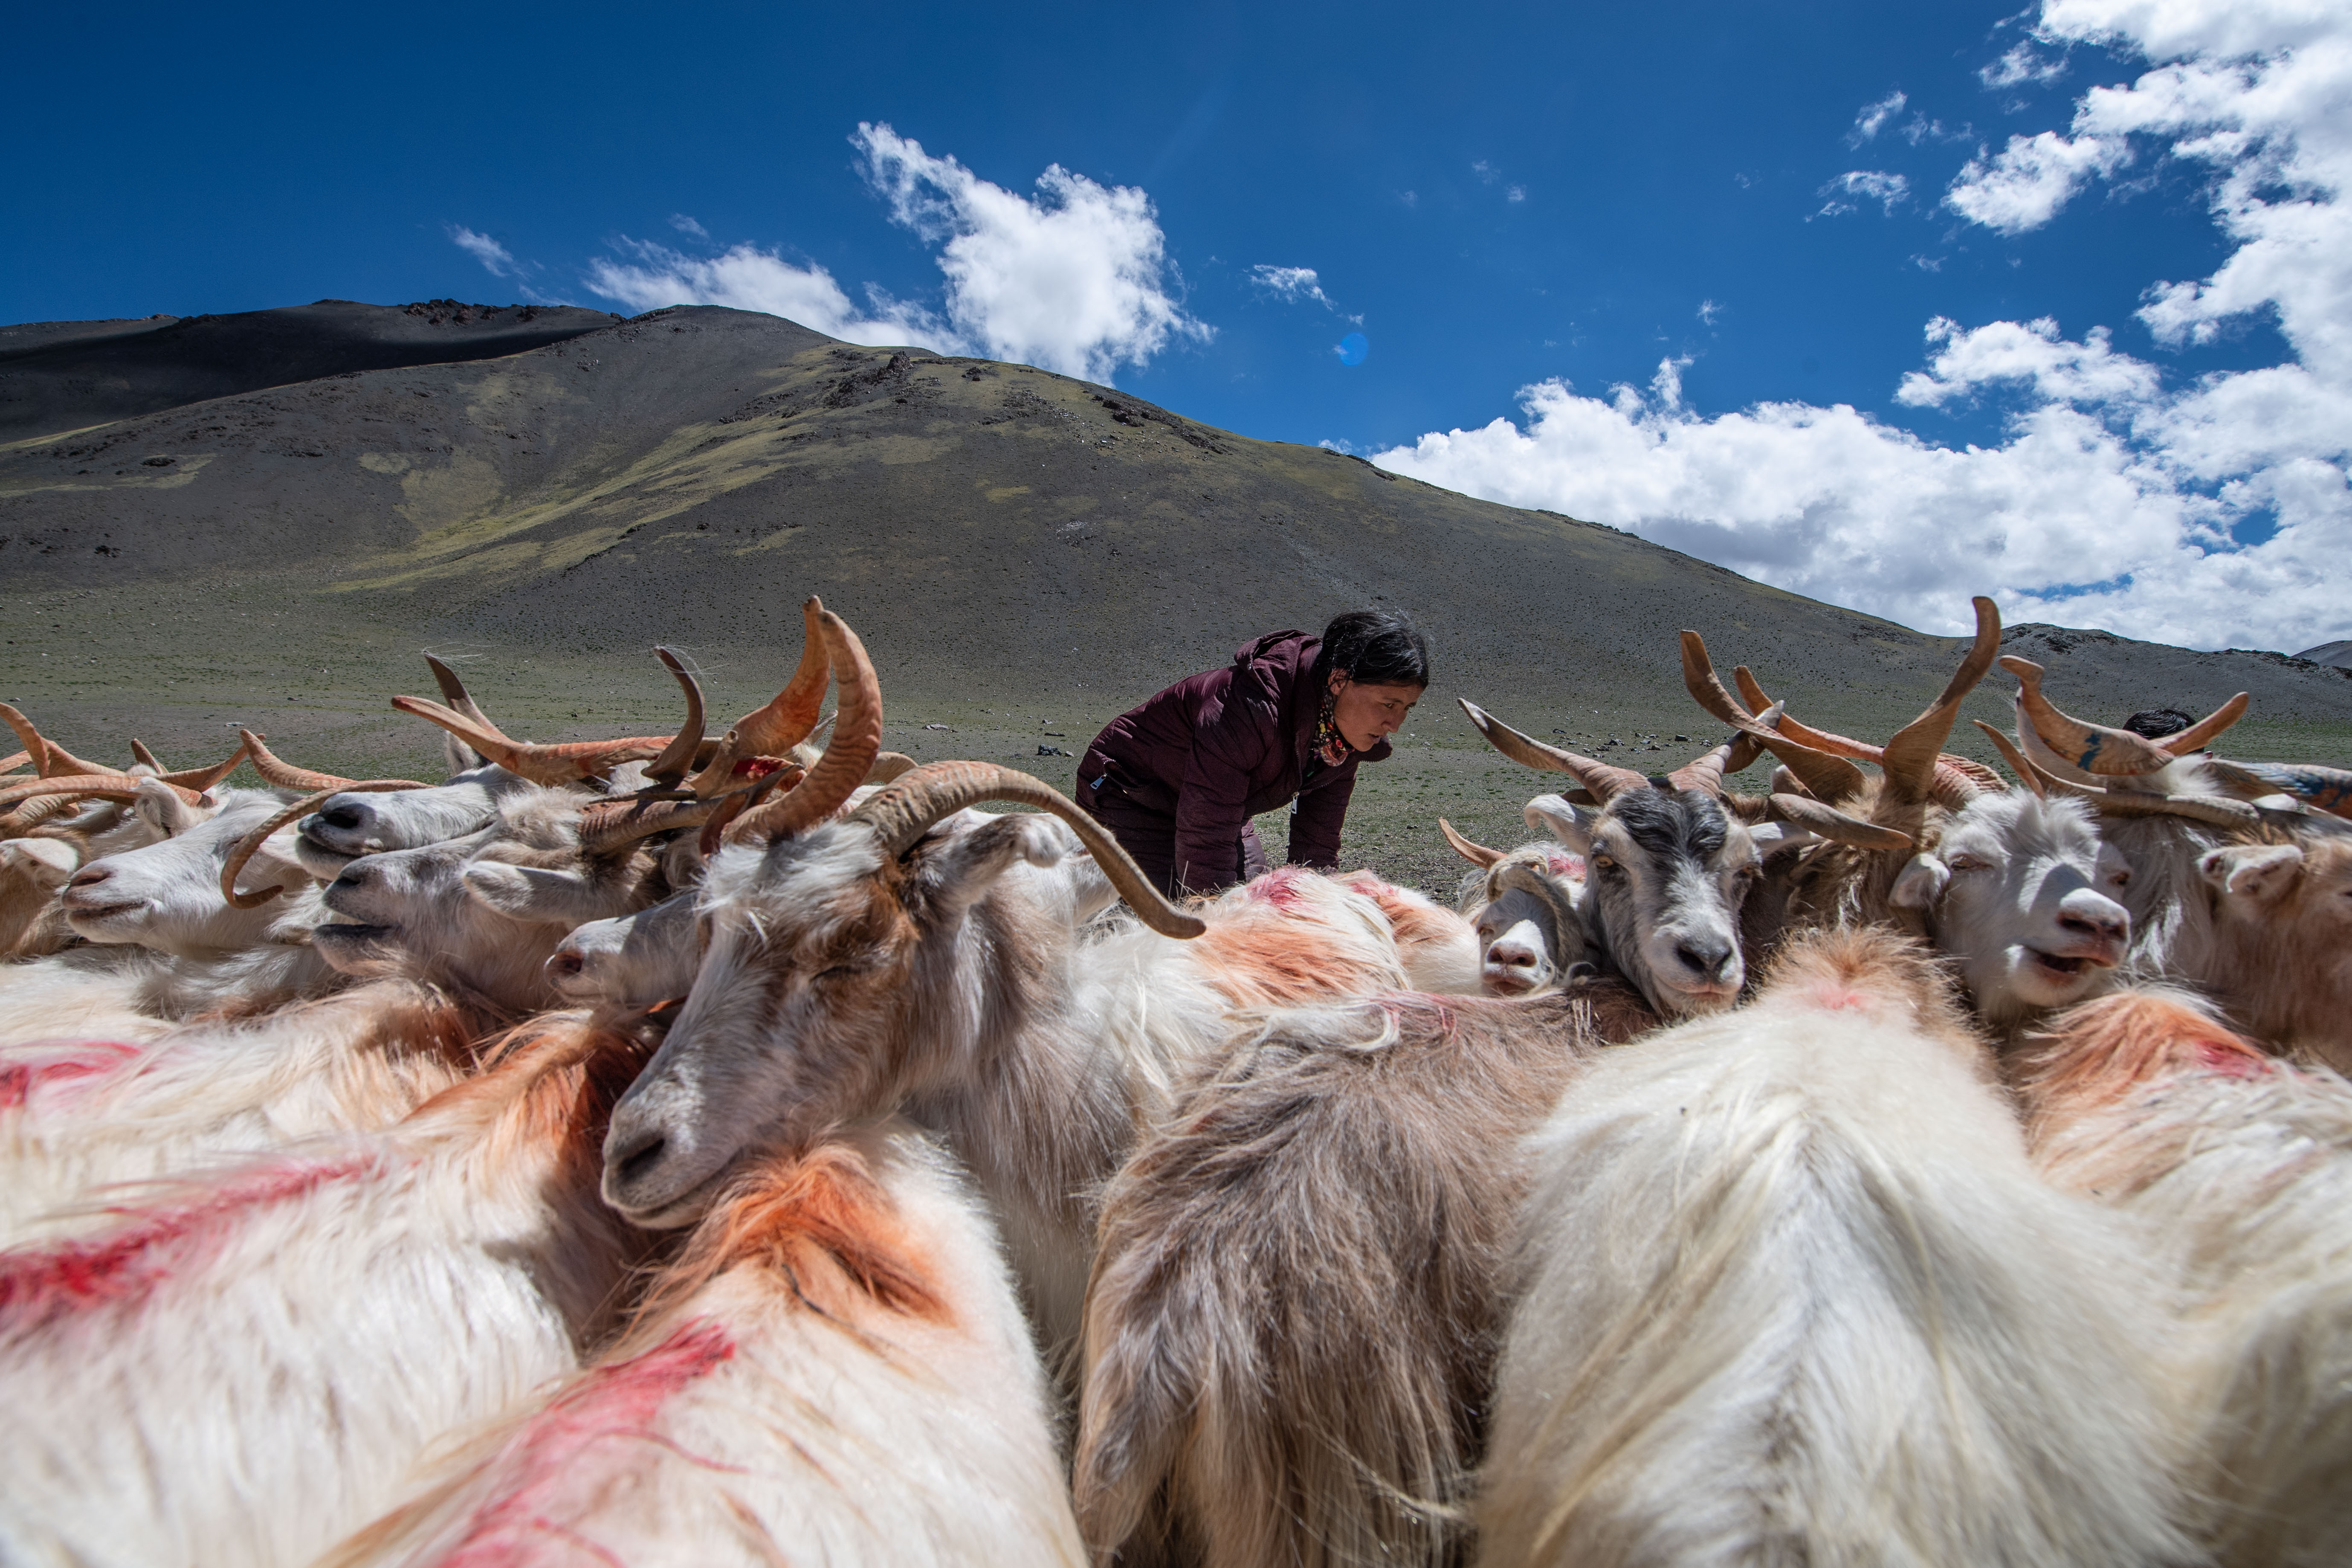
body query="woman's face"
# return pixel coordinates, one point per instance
(1364, 714)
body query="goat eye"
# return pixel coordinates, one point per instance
(1602, 863)
(1968, 863)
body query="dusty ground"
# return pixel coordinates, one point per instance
(1024, 555)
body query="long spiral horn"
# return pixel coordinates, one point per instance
(903, 811)
(848, 756)
(785, 722)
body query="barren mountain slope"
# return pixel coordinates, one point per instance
(1025, 555)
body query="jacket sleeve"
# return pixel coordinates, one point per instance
(1229, 740)
(1315, 826)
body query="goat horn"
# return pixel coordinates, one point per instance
(609, 825)
(49, 759)
(284, 774)
(889, 765)
(1909, 759)
(103, 786)
(905, 810)
(1958, 780)
(1478, 854)
(1828, 822)
(1603, 782)
(2325, 789)
(2104, 752)
(10, 764)
(856, 742)
(249, 846)
(785, 722)
(33, 812)
(2198, 736)
(1829, 777)
(2027, 774)
(454, 693)
(145, 758)
(202, 779)
(2216, 809)
(677, 757)
(546, 765)
(733, 805)
(1706, 773)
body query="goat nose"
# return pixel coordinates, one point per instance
(342, 818)
(1707, 956)
(2094, 914)
(636, 1161)
(91, 876)
(564, 965)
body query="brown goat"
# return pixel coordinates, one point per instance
(1296, 1304)
(2283, 942)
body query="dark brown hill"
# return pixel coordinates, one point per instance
(60, 376)
(1024, 553)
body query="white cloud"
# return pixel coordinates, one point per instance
(1709, 311)
(749, 278)
(1291, 283)
(493, 256)
(2024, 184)
(2213, 511)
(1075, 281)
(1872, 118)
(688, 226)
(2023, 63)
(1863, 185)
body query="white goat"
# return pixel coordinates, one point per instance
(243, 1365)
(835, 1370)
(1792, 1292)
(2240, 1170)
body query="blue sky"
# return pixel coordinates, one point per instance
(1517, 208)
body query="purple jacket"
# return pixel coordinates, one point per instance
(1201, 759)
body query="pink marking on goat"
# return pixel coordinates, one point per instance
(74, 1059)
(1838, 999)
(1280, 888)
(39, 1283)
(550, 1457)
(2229, 1058)
(1564, 864)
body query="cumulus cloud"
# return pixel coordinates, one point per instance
(493, 256)
(2211, 512)
(2023, 63)
(1872, 118)
(1291, 283)
(1075, 280)
(648, 277)
(2024, 184)
(1863, 185)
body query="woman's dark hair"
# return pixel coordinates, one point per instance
(1375, 648)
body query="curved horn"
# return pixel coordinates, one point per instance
(33, 812)
(49, 759)
(547, 764)
(1958, 780)
(1706, 773)
(610, 825)
(1478, 854)
(889, 765)
(1829, 777)
(284, 774)
(732, 805)
(1828, 822)
(2027, 774)
(785, 722)
(145, 758)
(204, 778)
(679, 755)
(2101, 749)
(856, 741)
(251, 843)
(1910, 757)
(2216, 809)
(1601, 781)
(905, 810)
(454, 693)
(2324, 789)
(102, 786)
(10, 764)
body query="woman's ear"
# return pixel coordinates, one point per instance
(1338, 680)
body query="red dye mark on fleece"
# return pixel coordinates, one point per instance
(1838, 999)
(1280, 888)
(1563, 865)
(2229, 1058)
(67, 1062)
(40, 1282)
(550, 1480)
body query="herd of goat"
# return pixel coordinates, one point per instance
(671, 1150)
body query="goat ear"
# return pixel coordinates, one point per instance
(1772, 835)
(1920, 884)
(461, 757)
(535, 895)
(959, 873)
(1552, 814)
(162, 810)
(49, 862)
(2252, 871)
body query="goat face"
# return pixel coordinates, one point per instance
(2284, 916)
(1531, 936)
(631, 961)
(346, 826)
(167, 895)
(2022, 893)
(820, 956)
(483, 913)
(1668, 870)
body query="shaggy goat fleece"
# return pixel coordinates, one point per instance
(1791, 1293)
(1295, 1302)
(2241, 1168)
(836, 1372)
(243, 1364)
